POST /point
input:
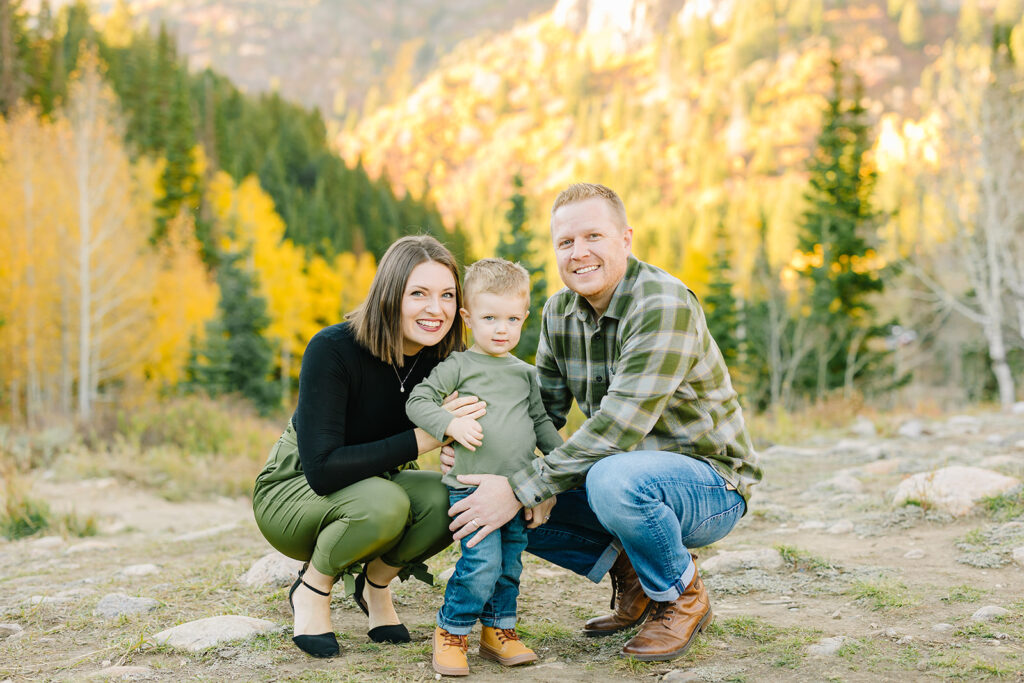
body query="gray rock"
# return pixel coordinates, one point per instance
(1018, 555)
(8, 630)
(273, 569)
(681, 676)
(844, 483)
(90, 546)
(1018, 408)
(826, 647)
(115, 604)
(915, 554)
(446, 574)
(953, 489)
(124, 673)
(989, 613)
(843, 526)
(943, 628)
(139, 570)
(47, 543)
(965, 424)
(205, 533)
(911, 429)
(812, 524)
(863, 427)
(196, 636)
(737, 560)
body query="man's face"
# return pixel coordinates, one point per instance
(591, 248)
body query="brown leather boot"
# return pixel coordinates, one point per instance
(629, 601)
(673, 626)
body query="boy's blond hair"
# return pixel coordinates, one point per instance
(581, 191)
(496, 276)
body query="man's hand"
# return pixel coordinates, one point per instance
(447, 459)
(466, 431)
(539, 513)
(485, 510)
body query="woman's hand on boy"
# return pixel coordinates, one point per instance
(540, 513)
(464, 406)
(447, 459)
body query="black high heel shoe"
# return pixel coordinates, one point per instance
(393, 633)
(323, 644)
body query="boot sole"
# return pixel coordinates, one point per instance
(592, 633)
(524, 658)
(666, 656)
(448, 670)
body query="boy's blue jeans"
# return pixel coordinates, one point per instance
(485, 584)
(651, 504)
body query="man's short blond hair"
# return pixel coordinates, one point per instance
(496, 276)
(577, 192)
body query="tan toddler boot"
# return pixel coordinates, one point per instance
(449, 657)
(502, 645)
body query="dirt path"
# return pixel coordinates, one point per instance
(883, 581)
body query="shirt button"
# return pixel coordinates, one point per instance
(600, 378)
(536, 499)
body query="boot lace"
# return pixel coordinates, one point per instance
(506, 634)
(661, 612)
(453, 640)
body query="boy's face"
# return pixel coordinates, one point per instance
(496, 321)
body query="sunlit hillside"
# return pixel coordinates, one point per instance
(697, 112)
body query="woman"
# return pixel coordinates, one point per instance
(340, 487)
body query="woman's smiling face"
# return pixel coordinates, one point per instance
(428, 306)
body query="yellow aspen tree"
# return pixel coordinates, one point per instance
(106, 240)
(29, 208)
(184, 298)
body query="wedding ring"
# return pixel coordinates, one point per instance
(475, 523)
(547, 518)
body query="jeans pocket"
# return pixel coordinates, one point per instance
(715, 527)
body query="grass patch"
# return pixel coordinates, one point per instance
(757, 630)
(21, 515)
(1006, 506)
(964, 593)
(883, 595)
(546, 633)
(802, 560)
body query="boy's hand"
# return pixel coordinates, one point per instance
(539, 513)
(466, 431)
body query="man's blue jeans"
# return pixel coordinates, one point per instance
(651, 504)
(485, 584)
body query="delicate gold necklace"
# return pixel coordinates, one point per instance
(401, 380)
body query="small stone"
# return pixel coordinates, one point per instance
(681, 676)
(838, 614)
(273, 569)
(905, 640)
(46, 543)
(863, 427)
(205, 533)
(1018, 408)
(731, 561)
(826, 646)
(1018, 555)
(891, 632)
(811, 524)
(911, 429)
(915, 554)
(124, 673)
(550, 573)
(196, 636)
(140, 570)
(989, 612)
(117, 604)
(90, 546)
(446, 574)
(106, 663)
(843, 526)
(8, 630)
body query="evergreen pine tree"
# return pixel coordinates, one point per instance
(720, 304)
(236, 357)
(178, 180)
(838, 268)
(516, 246)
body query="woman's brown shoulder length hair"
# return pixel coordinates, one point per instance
(377, 323)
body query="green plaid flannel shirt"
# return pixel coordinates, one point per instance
(647, 375)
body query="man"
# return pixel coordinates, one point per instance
(664, 458)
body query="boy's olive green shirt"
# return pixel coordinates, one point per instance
(515, 423)
(646, 374)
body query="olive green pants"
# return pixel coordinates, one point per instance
(402, 519)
